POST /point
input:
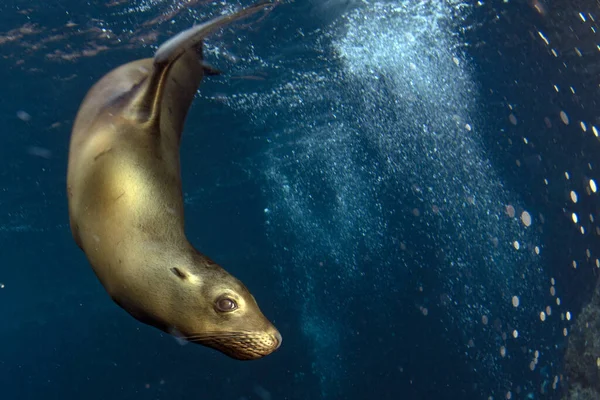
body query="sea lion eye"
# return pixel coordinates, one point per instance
(225, 304)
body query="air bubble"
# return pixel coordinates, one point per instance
(510, 210)
(526, 218)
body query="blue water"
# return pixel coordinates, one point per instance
(364, 167)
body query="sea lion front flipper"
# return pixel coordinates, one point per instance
(147, 105)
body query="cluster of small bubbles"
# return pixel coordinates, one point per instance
(534, 362)
(420, 149)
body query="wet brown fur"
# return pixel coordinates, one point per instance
(126, 208)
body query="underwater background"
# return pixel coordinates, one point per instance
(408, 188)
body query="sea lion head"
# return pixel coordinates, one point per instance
(224, 315)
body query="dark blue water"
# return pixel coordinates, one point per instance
(365, 168)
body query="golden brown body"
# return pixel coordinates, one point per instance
(126, 206)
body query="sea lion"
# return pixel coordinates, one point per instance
(126, 205)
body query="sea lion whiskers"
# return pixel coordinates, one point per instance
(243, 345)
(212, 334)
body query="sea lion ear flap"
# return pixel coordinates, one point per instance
(180, 273)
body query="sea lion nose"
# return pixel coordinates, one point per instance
(278, 339)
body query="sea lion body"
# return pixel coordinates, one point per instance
(126, 206)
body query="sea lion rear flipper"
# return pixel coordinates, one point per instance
(170, 51)
(177, 45)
